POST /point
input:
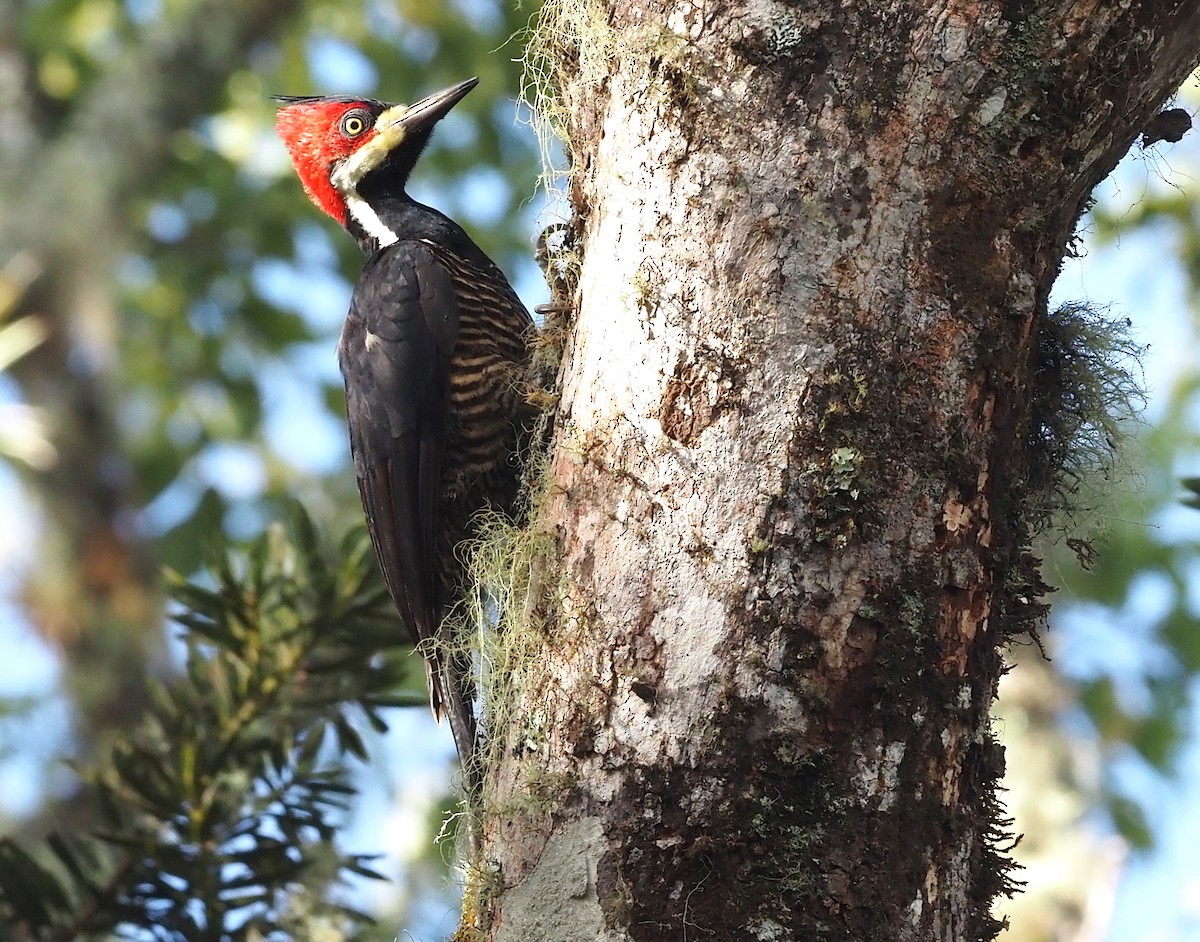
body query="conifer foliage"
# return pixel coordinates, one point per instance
(219, 810)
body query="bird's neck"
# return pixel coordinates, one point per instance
(374, 222)
(378, 220)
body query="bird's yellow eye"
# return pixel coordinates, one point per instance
(355, 123)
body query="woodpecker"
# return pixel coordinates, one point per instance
(435, 353)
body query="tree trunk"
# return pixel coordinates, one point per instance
(793, 467)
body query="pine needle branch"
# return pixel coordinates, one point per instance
(219, 812)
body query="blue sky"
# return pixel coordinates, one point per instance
(1158, 897)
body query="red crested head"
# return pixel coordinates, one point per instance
(319, 134)
(350, 151)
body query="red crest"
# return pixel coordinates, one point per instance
(316, 139)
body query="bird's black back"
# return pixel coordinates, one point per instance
(435, 353)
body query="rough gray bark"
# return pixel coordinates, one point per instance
(791, 473)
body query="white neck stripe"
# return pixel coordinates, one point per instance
(366, 217)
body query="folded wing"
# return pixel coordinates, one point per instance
(395, 354)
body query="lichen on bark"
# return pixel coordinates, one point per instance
(793, 452)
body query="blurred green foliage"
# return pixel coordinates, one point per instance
(216, 277)
(186, 297)
(1134, 597)
(219, 811)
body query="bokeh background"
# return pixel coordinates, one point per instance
(169, 308)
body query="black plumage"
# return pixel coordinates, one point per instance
(435, 354)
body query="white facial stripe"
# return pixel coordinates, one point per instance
(346, 176)
(366, 217)
(388, 135)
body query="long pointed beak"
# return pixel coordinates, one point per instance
(426, 112)
(392, 128)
